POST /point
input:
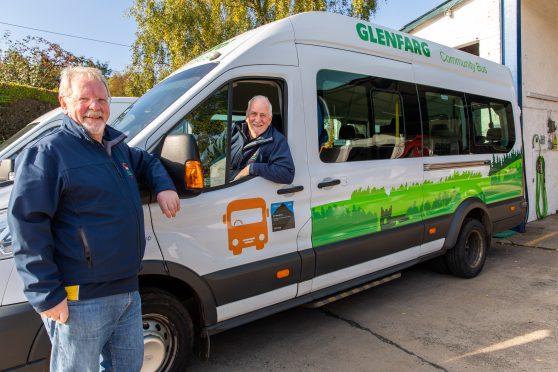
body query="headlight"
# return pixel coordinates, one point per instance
(5, 237)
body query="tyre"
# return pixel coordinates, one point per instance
(168, 334)
(467, 258)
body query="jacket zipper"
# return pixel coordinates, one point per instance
(133, 205)
(86, 248)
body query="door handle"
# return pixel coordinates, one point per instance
(328, 183)
(290, 190)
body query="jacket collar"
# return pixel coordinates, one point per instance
(265, 137)
(111, 137)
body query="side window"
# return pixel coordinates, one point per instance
(209, 124)
(444, 122)
(493, 127)
(363, 118)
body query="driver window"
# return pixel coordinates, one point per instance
(209, 124)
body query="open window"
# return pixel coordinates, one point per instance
(211, 123)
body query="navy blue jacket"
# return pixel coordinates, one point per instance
(269, 155)
(75, 211)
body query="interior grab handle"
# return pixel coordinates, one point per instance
(328, 183)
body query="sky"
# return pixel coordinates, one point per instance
(106, 20)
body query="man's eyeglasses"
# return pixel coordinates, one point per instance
(87, 101)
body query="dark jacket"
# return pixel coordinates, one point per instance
(269, 155)
(75, 211)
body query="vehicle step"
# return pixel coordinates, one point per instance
(341, 295)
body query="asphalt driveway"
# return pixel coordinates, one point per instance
(506, 319)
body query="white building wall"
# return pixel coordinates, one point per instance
(471, 21)
(540, 66)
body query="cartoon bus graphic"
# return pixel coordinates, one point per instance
(246, 221)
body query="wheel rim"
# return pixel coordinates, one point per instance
(474, 249)
(159, 343)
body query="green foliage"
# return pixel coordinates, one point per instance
(37, 62)
(19, 104)
(501, 162)
(173, 32)
(12, 92)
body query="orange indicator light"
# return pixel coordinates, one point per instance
(432, 231)
(512, 208)
(283, 273)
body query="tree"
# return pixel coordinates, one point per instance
(172, 32)
(37, 62)
(119, 84)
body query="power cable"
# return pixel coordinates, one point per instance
(59, 33)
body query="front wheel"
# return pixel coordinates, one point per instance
(467, 258)
(167, 332)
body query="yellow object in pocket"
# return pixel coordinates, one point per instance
(72, 291)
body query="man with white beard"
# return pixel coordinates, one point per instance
(78, 237)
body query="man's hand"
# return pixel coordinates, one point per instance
(58, 313)
(169, 202)
(243, 173)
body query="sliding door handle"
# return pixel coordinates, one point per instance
(290, 190)
(328, 183)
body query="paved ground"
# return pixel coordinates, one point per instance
(506, 319)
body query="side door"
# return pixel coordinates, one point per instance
(365, 163)
(240, 236)
(451, 173)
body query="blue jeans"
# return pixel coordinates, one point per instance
(101, 334)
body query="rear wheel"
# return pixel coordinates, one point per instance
(467, 258)
(167, 331)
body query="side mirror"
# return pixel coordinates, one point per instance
(181, 158)
(7, 169)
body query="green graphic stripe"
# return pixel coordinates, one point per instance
(372, 210)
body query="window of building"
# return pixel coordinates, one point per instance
(472, 48)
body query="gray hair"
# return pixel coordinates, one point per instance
(70, 72)
(263, 98)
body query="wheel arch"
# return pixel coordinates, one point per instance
(182, 283)
(469, 208)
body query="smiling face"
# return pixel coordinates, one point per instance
(88, 105)
(258, 117)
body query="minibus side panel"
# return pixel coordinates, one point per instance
(466, 159)
(364, 221)
(239, 237)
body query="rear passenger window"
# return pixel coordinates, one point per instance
(444, 122)
(493, 127)
(362, 117)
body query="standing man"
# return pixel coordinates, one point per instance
(78, 237)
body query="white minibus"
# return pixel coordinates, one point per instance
(405, 151)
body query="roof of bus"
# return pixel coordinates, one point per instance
(346, 33)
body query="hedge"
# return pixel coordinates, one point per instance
(11, 92)
(20, 104)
